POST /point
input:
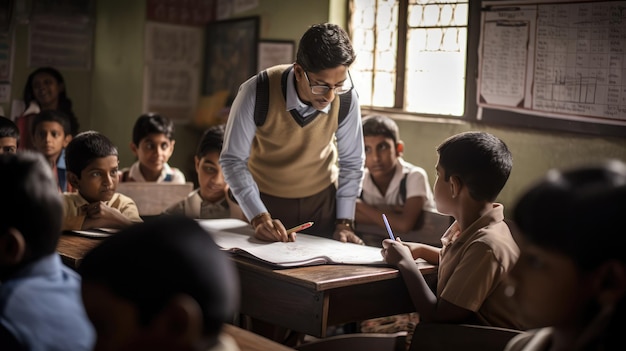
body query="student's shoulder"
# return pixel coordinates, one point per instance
(177, 176)
(408, 167)
(73, 198)
(119, 200)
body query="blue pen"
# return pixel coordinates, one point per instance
(388, 227)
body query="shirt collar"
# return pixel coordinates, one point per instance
(293, 100)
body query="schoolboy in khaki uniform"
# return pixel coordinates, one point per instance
(478, 249)
(92, 165)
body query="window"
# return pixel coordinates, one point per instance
(411, 54)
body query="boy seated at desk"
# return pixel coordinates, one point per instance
(211, 199)
(9, 136)
(390, 185)
(478, 249)
(160, 285)
(92, 165)
(40, 301)
(153, 144)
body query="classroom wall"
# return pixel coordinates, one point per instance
(109, 98)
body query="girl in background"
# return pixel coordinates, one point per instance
(44, 90)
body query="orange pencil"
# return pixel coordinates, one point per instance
(299, 227)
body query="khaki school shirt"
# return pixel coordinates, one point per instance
(74, 215)
(473, 265)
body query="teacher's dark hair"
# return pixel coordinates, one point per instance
(324, 46)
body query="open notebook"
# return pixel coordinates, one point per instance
(237, 236)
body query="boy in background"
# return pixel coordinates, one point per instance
(92, 165)
(391, 186)
(9, 136)
(153, 144)
(50, 135)
(40, 301)
(478, 249)
(160, 285)
(211, 199)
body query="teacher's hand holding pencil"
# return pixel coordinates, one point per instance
(268, 229)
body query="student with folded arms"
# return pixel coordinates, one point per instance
(92, 165)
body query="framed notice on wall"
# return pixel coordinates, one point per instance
(560, 64)
(230, 54)
(173, 54)
(275, 52)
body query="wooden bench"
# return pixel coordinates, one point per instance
(153, 198)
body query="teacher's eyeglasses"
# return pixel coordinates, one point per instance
(323, 89)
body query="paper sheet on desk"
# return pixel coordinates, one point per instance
(96, 232)
(237, 236)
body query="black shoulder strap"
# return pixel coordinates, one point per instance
(345, 100)
(402, 191)
(261, 105)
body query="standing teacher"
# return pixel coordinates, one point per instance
(293, 149)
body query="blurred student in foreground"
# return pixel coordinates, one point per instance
(40, 301)
(570, 280)
(160, 285)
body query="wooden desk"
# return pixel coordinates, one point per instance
(73, 248)
(309, 299)
(248, 341)
(304, 299)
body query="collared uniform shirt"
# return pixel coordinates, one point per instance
(168, 174)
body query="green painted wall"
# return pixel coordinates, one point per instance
(109, 98)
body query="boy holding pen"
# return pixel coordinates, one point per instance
(478, 249)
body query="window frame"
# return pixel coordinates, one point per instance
(470, 107)
(471, 114)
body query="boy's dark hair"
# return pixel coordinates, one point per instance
(376, 125)
(51, 116)
(151, 123)
(86, 147)
(324, 46)
(578, 212)
(482, 162)
(31, 201)
(65, 104)
(212, 140)
(150, 263)
(8, 129)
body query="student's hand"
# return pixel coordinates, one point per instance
(345, 235)
(415, 248)
(268, 229)
(395, 251)
(99, 215)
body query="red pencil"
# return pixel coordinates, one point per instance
(299, 227)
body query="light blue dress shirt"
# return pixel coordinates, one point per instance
(241, 129)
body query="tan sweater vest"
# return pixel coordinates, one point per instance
(288, 160)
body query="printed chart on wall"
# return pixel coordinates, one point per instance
(558, 60)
